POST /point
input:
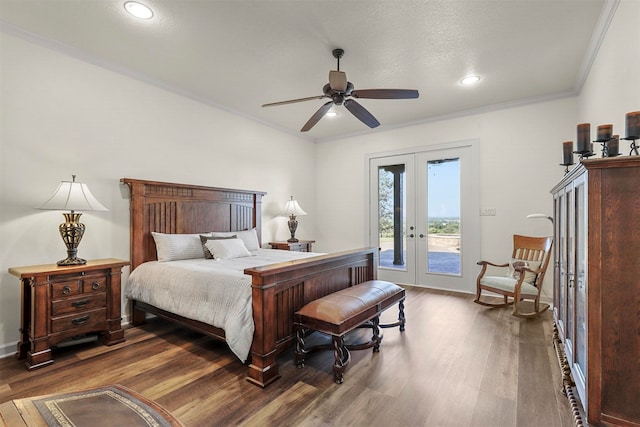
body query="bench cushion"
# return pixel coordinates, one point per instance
(342, 311)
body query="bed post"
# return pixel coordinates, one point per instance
(263, 366)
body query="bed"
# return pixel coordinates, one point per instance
(277, 290)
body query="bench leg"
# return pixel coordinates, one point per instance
(377, 338)
(299, 352)
(401, 319)
(342, 359)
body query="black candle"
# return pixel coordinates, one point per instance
(604, 132)
(584, 137)
(633, 125)
(613, 146)
(567, 153)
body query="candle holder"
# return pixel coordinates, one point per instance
(632, 124)
(634, 147)
(584, 154)
(605, 146)
(566, 167)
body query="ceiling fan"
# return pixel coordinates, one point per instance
(342, 92)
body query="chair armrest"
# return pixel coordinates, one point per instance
(492, 264)
(522, 268)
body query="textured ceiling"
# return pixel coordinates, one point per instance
(241, 54)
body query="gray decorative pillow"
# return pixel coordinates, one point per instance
(205, 238)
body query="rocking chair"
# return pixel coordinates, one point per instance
(523, 278)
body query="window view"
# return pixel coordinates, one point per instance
(391, 216)
(443, 220)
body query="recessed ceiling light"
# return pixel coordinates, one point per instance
(469, 80)
(138, 10)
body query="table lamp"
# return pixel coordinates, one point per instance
(293, 209)
(72, 196)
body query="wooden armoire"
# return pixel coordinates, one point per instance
(597, 285)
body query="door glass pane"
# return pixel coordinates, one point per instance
(443, 216)
(391, 216)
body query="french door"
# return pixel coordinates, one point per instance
(424, 216)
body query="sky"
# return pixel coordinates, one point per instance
(444, 189)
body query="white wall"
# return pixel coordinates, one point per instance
(613, 87)
(63, 116)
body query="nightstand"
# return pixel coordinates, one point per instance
(300, 246)
(59, 303)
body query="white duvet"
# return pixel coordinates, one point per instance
(214, 292)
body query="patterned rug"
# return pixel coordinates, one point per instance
(112, 405)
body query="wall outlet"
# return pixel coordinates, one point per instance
(488, 212)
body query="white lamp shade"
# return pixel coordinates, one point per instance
(293, 208)
(73, 196)
(530, 216)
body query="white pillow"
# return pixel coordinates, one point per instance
(528, 276)
(227, 249)
(203, 240)
(249, 237)
(171, 247)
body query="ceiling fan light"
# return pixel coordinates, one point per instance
(332, 113)
(138, 10)
(470, 80)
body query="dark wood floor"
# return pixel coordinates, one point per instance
(457, 364)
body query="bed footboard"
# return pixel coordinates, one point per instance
(279, 290)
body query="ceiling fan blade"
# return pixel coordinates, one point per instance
(338, 80)
(361, 113)
(385, 93)
(317, 116)
(291, 101)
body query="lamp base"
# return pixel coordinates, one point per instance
(71, 232)
(71, 261)
(293, 225)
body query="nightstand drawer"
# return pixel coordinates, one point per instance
(83, 302)
(94, 284)
(94, 319)
(66, 289)
(298, 247)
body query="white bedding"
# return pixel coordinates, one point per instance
(214, 292)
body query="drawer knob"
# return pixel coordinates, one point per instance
(80, 320)
(95, 286)
(82, 303)
(66, 290)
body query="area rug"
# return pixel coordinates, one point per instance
(112, 405)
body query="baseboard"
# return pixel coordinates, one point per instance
(7, 350)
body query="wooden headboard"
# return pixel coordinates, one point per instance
(181, 208)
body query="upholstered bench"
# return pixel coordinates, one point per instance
(341, 312)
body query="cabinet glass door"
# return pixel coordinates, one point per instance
(581, 279)
(561, 245)
(571, 232)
